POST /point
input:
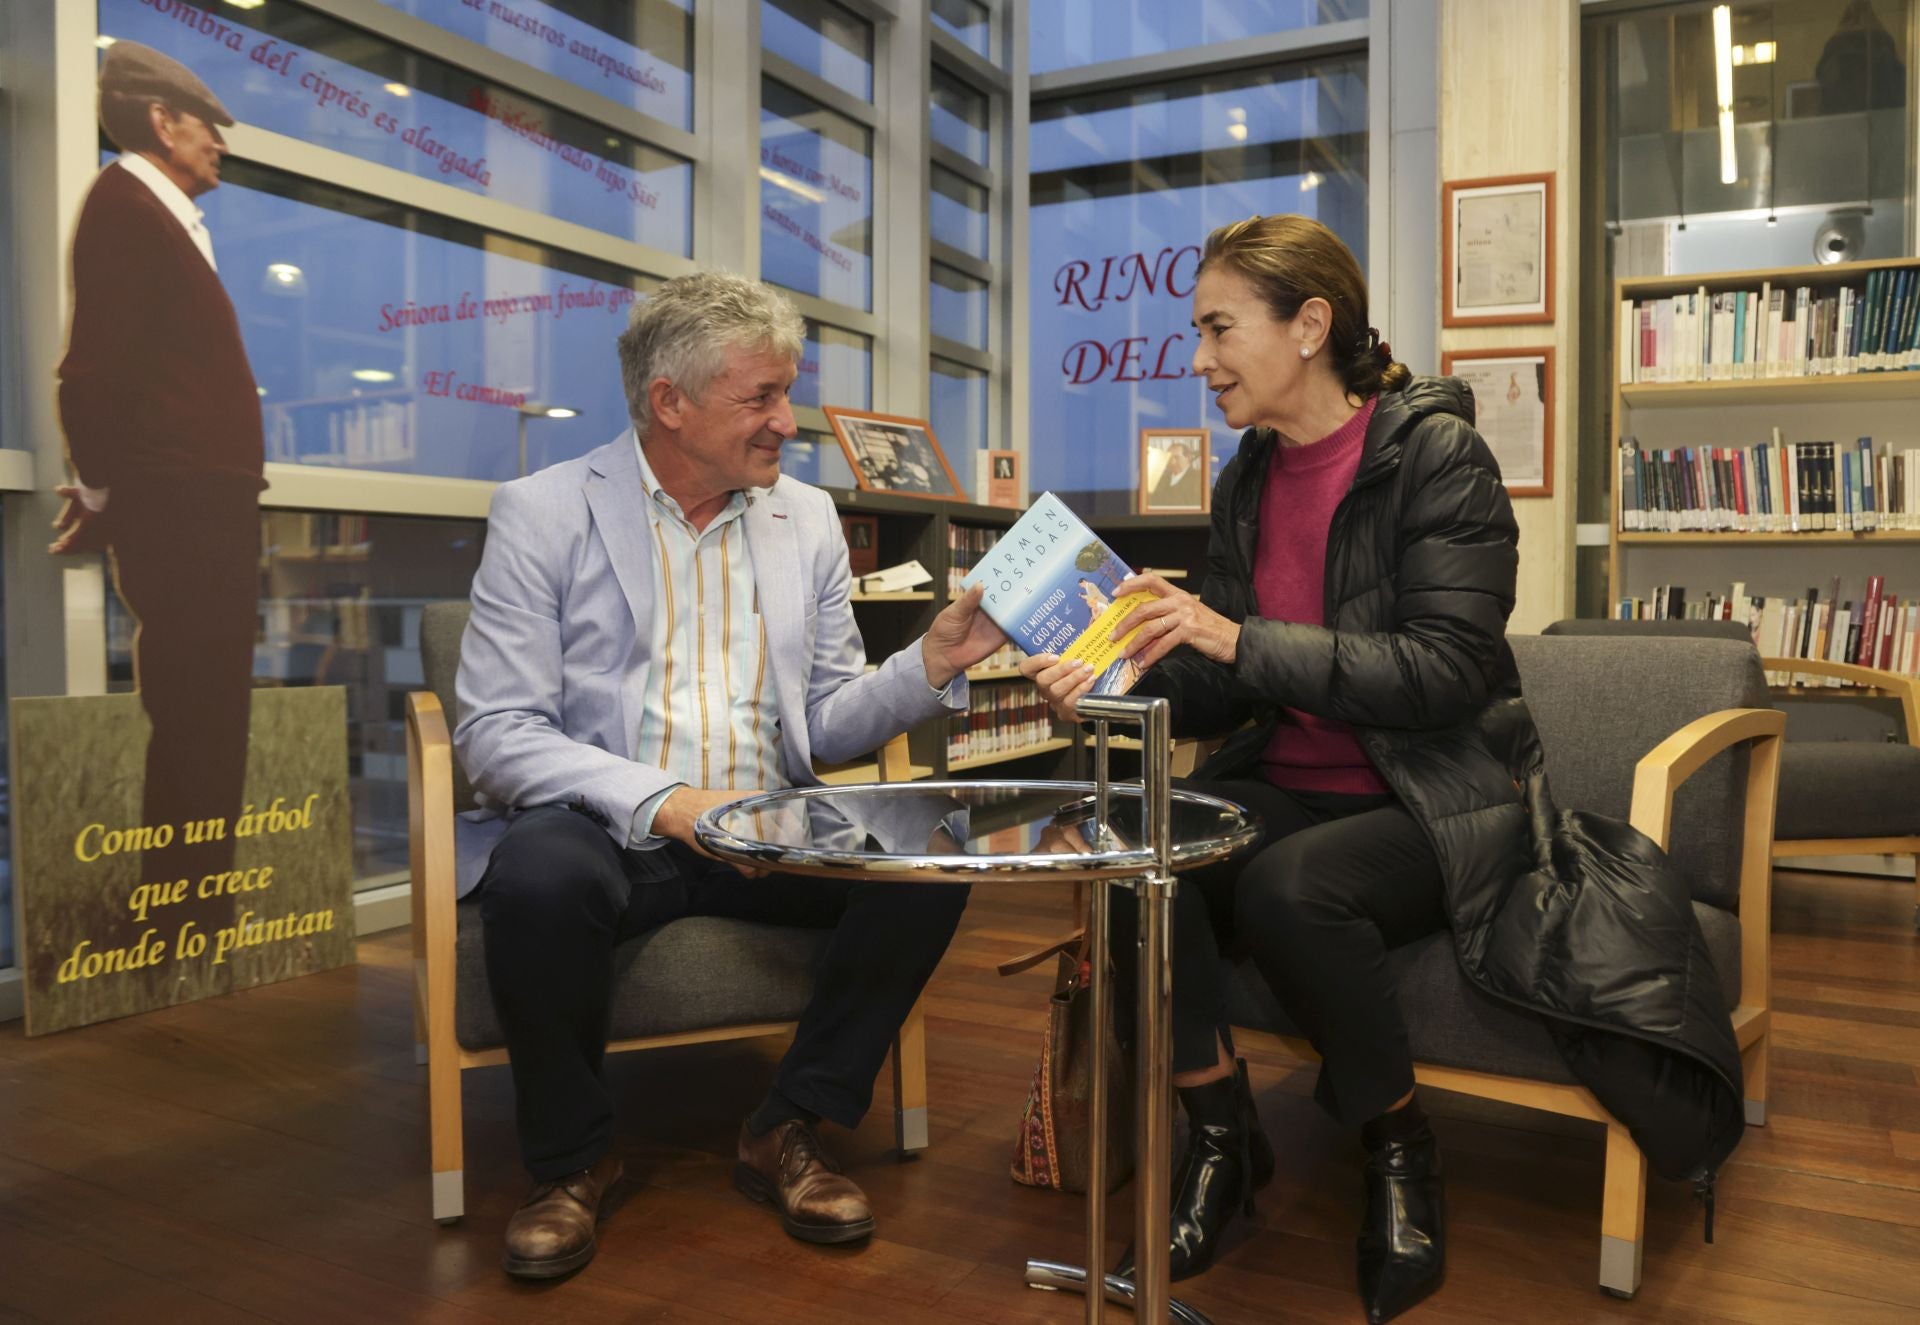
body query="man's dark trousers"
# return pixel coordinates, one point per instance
(558, 896)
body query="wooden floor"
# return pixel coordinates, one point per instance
(263, 1157)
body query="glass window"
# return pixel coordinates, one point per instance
(958, 413)
(1125, 186)
(340, 600)
(816, 457)
(970, 21)
(958, 117)
(957, 306)
(957, 213)
(326, 82)
(836, 368)
(823, 39)
(636, 52)
(816, 198)
(1064, 34)
(393, 340)
(1816, 133)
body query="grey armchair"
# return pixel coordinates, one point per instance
(689, 982)
(1837, 798)
(1675, 735)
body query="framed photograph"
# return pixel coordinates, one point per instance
(863, 543)
(1513, 405)
(1496, 240)
(893, 454)
(1174, 466)
(1003, 478)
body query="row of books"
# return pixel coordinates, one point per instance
(1871, 326)
(1000, 719)
(1008, 655)
(365, 435)
(966, 544)
(1875, 630)
(1773, 487)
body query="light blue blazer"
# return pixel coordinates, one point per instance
(555, 663)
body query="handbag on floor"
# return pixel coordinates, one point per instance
(1053, 1144)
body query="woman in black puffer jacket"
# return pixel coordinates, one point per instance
(1351, 632)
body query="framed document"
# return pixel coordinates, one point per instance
(1174, 471)
(1513, 407)
(1496, 239)
(894, 454)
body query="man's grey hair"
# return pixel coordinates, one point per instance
(683, 330)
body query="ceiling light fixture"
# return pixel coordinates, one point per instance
(1723, 89)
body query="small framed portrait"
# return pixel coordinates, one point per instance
(1513, 409)
(1173, 471)
(1003, 478)
(889, 453)
(1496, 241)
(863, 543)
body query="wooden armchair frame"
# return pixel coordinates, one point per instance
(1656, 778)
(1892, 685)
(430, 820)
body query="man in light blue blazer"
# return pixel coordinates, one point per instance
(659, 627)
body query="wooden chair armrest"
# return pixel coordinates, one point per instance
(430, 842)
(1906, 689)
(1660, 773)
(1669, 764)
(893, 761)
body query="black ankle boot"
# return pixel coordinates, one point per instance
(1403, 1240)
(1228, 1159)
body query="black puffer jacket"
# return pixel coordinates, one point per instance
(1548, 910)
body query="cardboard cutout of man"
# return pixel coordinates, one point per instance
(164, 434)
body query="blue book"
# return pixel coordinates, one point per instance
(1867, 495)
(1051, 585)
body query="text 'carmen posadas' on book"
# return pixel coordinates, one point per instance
(1051, 585)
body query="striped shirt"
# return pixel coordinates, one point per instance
(711, 719)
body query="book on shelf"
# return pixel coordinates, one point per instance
(1868, 325)
(1876, 629)
(966, 544)
(1050, 584)
(1769, 487)
(999, 720)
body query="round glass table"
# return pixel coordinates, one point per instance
(1039, 833)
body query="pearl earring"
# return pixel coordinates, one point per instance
(1306, 352)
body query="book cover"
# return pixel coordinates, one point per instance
(1050, 584)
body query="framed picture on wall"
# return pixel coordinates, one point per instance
(1513, 404)
(890, 453)
(1496, 240)
(1174, 466)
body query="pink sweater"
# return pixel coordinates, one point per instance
(1304, 484)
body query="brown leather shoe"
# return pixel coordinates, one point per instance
(789, 1168)
(552, 1233)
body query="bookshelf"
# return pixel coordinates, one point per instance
(1856, 374)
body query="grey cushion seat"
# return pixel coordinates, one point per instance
(667, 981)
(697, 974)
(1848, 789)
(1600, 704)
(1452, 1024)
